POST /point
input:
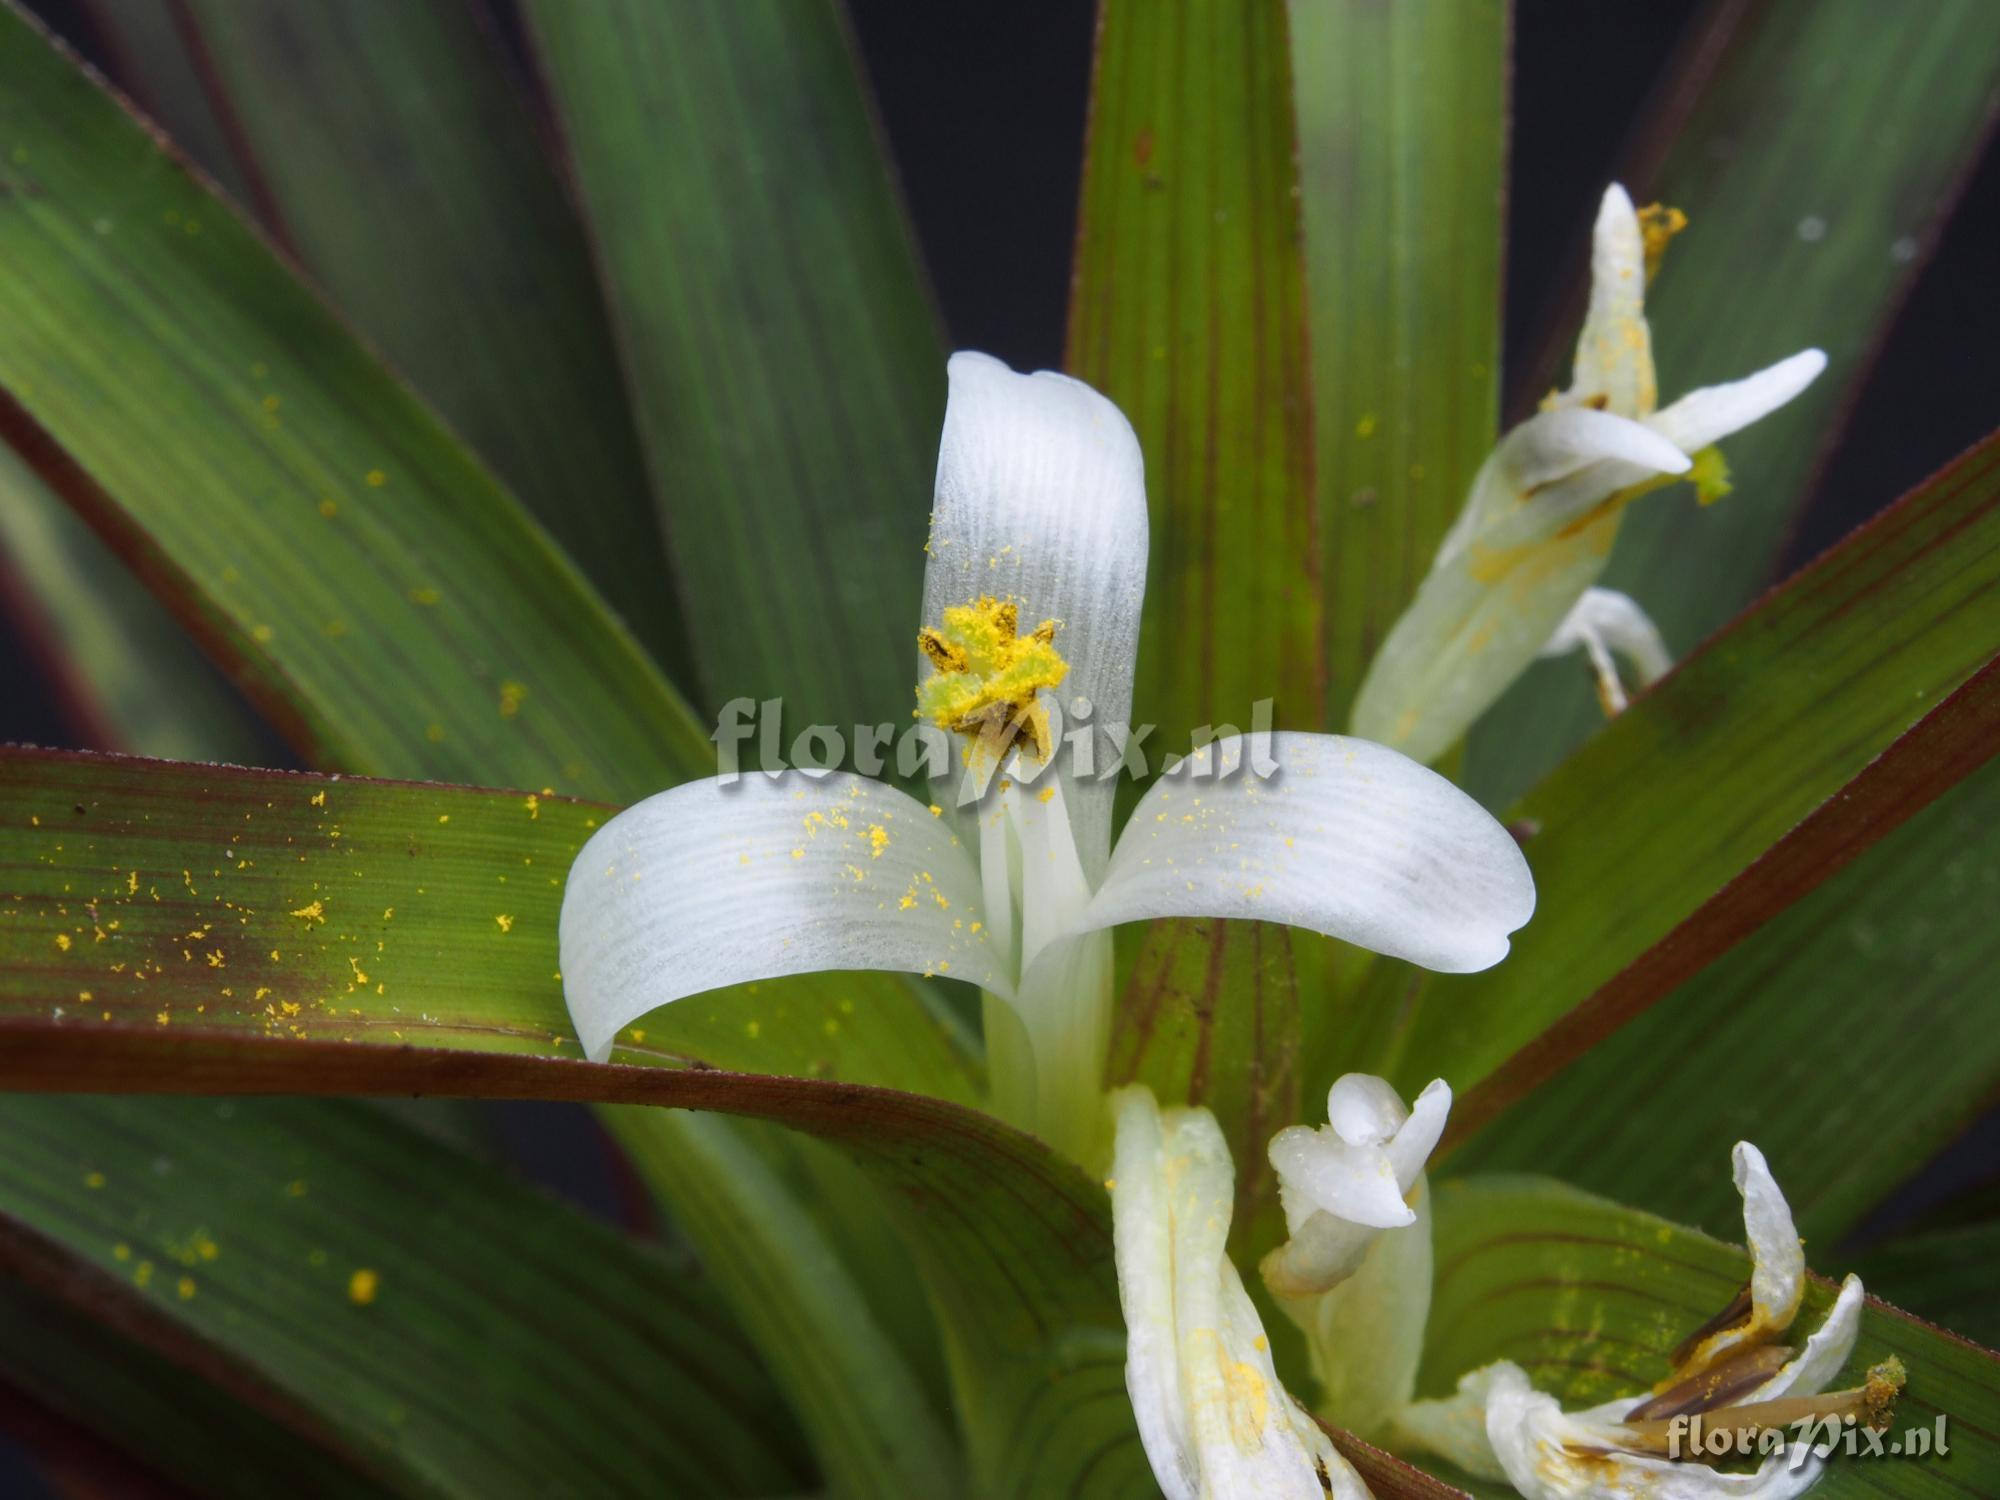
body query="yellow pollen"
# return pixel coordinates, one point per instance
(987, 674)
(1658, 224)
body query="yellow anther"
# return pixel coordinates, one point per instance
(987, 674)
(1658, 224)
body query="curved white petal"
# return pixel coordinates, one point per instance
(1326, 1175)
(1560, 447)
(1346, 838)
(1815, 1367)
(1143, 1246)
(1549, 1454)
(1605, 623)
(718, 883)
(1041, 497)
(1454, 1427)
(1712, 413)
(1777, 1256)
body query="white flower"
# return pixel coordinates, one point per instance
(1215, 1422)
(1538, 526)
(1040, 515)
(1730, 1376)
(1355, 1275)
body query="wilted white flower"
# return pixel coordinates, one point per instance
(1537, 528)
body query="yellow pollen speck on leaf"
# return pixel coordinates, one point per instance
(185, 1289)
(987, 674)
(319, 799)
(329, 508)
(511, 694)
(313, 911)
(362, 1286)
(62, 941)
(878, 840)
(506, 923)
(376, 479)
(93, 1180)
(296, 1188)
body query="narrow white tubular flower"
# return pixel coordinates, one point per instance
(1215, 1422)
(1537, 528)
(1605, 623)
(1355, 1274)
(1033, 590)
(1729, 1376)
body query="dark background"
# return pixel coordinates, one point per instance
(983, 104)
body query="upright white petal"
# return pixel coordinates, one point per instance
(1614, 352)
(1346, 838)
(1777, 1265)
(1041, 498)
(1712, 413)
(1215, 1422)
(714, 884)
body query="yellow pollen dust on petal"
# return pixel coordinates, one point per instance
(1658, 224)
(987, 674)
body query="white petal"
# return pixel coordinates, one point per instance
(1346, 838)
(1604, 622)
(1548, 1454)
(1778, 1261)
(1454, 1428)
(1815, 1367)
(1708, 415)
(1367, 1332)
(1364, 1110)
(714, 884)
(1041, 497)
(1615, 622)
(1550, 448)
(1614, 354)
(1355, 1183)
(1211, 1414)
(1142, 1242)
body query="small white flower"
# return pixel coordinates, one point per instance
(1537, 528)
(1039, 516)
(1730, 1374)
(1355, 1275)
(1215, 1421)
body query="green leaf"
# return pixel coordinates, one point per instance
(1815, 159)
(1589, 1297)
(876, 1430)
(446, 1329)
(113, 1394)
(388, 603)
(782, 358)
(1211, 1017)
(269, 908)
(1402, 134)
(1945, 1275)
(1851, 1037)
(1824, 718)
(124, 668)
(1188, 311)
(390, 150)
